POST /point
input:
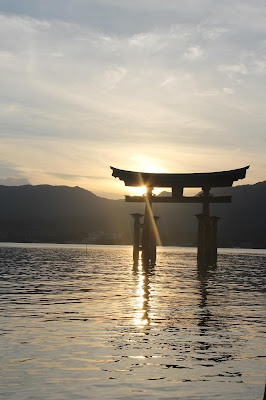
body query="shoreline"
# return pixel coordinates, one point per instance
(122, 246)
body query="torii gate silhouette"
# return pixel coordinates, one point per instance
(207, 225)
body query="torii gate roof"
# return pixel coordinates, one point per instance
(199, 180)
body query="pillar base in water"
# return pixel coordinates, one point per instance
(207, 240)
(149, 237)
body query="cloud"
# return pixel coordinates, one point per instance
(78, 94)
(233, 70)
(14, 181)
(74, 176)
(111, 16)
(10, 175)
(193, 53)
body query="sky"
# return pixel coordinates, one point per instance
(145, 85)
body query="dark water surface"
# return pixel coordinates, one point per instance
(84, 325)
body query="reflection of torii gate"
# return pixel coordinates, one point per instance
(207, 226)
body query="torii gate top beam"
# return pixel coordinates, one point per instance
(198, 180)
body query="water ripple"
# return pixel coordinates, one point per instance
(77, 324)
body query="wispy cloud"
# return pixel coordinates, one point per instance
(193, 53)
(81, 95)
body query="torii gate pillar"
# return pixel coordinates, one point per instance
(149, 237)
(153, 250)
(136, 245)
(213, 239)
(207, 234)
(147, 227)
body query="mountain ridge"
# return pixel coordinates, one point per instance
(64, 213)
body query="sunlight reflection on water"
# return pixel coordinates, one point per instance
(77, 325)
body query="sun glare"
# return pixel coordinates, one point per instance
(141, 190)
(144, 166)
(137, 191)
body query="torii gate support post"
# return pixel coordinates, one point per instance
(201, 240)
(204, 231)
(147, 227)
(207, 233)
(214, 221)
(207, 240)
(136, 245)
(203, 254)
(154, 241)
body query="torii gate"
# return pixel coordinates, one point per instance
(207, 226)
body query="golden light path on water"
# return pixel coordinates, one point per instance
(142, 318)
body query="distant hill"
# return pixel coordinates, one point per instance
(58, 213)
(49, 201)
(72, 214)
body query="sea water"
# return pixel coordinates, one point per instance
(81, 323)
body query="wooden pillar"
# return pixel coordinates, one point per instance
(204, 241)
(136, 244)
(154, 241)
(207, 226)
(208, 243)
(204, 232)
(207, 240)
(201, 255)
(214, 221)
(147, 228)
